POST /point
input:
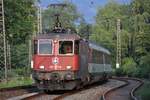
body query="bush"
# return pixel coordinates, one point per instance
(144, 93)
(129, 66)
(19, 72)
(144, 66)
(17, 81)
(19, 55)
(119, 72)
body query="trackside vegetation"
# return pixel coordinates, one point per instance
(143, 93)
(18, 81)
(17, 77)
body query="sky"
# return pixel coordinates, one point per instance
(87, 8)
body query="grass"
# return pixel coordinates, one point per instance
(19, 81)
(144, 92)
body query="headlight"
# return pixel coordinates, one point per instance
(68, 76)
(41, 67)
(31, 64)
(68, 67)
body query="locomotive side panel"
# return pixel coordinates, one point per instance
(83, 60)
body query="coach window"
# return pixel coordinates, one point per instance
(65, 47)
(76, 47)
(107, 59)
(45, 46)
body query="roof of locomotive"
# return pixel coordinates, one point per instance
(65, 36)
(98, 47)
(58, 36)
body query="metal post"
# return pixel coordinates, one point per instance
(30, 54)
(8, 56)
(39, 19)
(3, 56)
(118, 58)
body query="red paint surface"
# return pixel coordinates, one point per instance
(63, 61)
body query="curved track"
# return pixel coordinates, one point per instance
(58, 95)
(114, 89)
(96, 90)
(124, 92)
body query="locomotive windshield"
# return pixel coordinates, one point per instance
(45, 46)
(65, 47)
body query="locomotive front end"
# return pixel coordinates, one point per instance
(55, 63)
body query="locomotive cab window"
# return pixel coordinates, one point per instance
(65, 47)
(45, 46)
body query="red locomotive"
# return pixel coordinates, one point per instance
(63, 61)
(66, 61)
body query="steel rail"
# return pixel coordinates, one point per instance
(132, 93)
(64, 93)
(113, 89)
(30, 97)
(16, 88)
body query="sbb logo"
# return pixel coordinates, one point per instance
(55, 61)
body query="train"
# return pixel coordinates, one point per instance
(62, 60)
(66, 61)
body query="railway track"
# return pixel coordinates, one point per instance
(6, 93)
(110, 91)
(80, 94)
(58, 95)
(124, 92)
(50, 96)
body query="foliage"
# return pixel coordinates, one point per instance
(135, 34)
(18, 81)
(128, 66)
(140, 27)
(143, 93)
(19, 19)
(19, 55)
(84, 29)
(119, 72)
(19, 24)
(144, 66)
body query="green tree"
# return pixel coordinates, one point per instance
(19, 18)
(104, 30)
(84, 29)
(135, 37)
(128, 66)
(140, 27)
